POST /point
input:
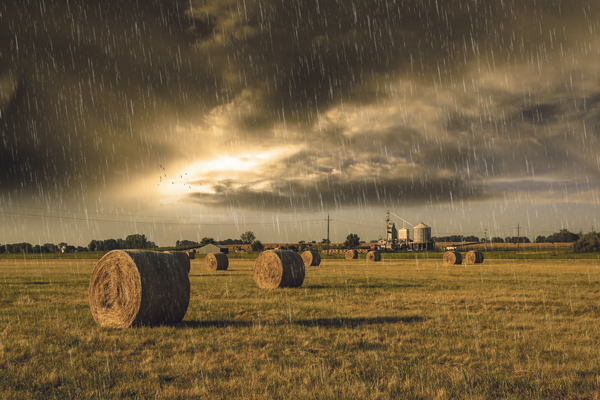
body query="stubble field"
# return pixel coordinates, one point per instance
(401, 328)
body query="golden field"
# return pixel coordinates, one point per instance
(400, 328)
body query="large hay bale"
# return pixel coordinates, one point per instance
(216, 261)
(374, 256)
(474, 257)
(351, 255)
(279, 269)
(452, 258)
(183, 258)
(311, 258)
(135, 288)
(192, 255)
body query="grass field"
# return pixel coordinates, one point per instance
(401, 328)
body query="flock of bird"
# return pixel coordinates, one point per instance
(165, 175)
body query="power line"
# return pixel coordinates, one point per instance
(152, 222)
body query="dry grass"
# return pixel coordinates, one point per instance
(393, 329)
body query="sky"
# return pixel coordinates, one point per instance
(209, 118)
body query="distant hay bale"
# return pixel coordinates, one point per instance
(351, 255)
(374, 256)
(216, 262)
(452, 258)
(474, 257)
(135, 288)
(183, 258)
(311, 258)
(279, 269)
(192, 255)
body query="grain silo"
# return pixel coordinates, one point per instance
(403, 235)
(422, 233)
(422, 237)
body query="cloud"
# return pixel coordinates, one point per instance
(355, 103)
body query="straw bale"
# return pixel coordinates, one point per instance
(183, 258)
(374, 256)
(474, 257)
(351, 255)
(216, 262)
(311, 258)
(452, 258)
(279, 269)
(135, 288)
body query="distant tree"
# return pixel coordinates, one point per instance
(136, 241)
(187, 243)
(19, 248)
(248, 237)
(562, 236)
(497, 239)
(588, 243)
(2, 249)
(95, 245)
(301, 242)
(471, 239)
(207, 240)
(110, 244)
(37, 249)
(257, 246)
(81, 249)
(50, 248)
(231, 241)
(540, 239)
(517, 239)
(325, 241)
(352, 241)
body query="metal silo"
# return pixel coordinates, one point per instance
(422, 233)
(403, 235)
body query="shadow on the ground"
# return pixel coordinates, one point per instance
(322, 322)
(361, 286)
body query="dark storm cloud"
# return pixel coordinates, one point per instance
(94, 82)
(91, 95)
(335, 195)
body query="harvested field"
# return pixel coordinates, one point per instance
(398, 328)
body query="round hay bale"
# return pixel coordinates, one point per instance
(183, 258)
(216, 261)
(374, 256)
(135, 288)
(311, 258)
(192, 255)
(452, 258)
(351, 255)
(474, 257)
(279, 269)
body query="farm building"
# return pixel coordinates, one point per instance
(68, 249)
(212, 248)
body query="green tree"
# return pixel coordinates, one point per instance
(352, 241)
(257, 246)
(136, 241)
(248, 237)
(562, 236)
(588, 243)
(207, 240)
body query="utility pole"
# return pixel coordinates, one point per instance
(486, 239)
(518, 235)
(328, 242)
